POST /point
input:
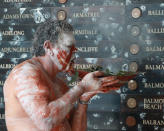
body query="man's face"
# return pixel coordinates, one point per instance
(64, 51)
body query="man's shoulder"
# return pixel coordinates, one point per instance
(26, 75)
(25, 69)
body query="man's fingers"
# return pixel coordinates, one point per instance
(110, 83)
(107, 89)
(108, 79)
(98, 73)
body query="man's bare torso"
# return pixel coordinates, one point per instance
(16, 117)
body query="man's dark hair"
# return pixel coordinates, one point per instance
(49, 30)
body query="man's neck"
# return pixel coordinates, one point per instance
(48, 66)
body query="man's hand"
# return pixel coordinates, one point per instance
(95, 81)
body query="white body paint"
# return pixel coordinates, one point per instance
(43, 114)
(30, 95)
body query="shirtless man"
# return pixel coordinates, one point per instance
(36, 99)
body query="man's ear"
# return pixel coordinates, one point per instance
(48, 47)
